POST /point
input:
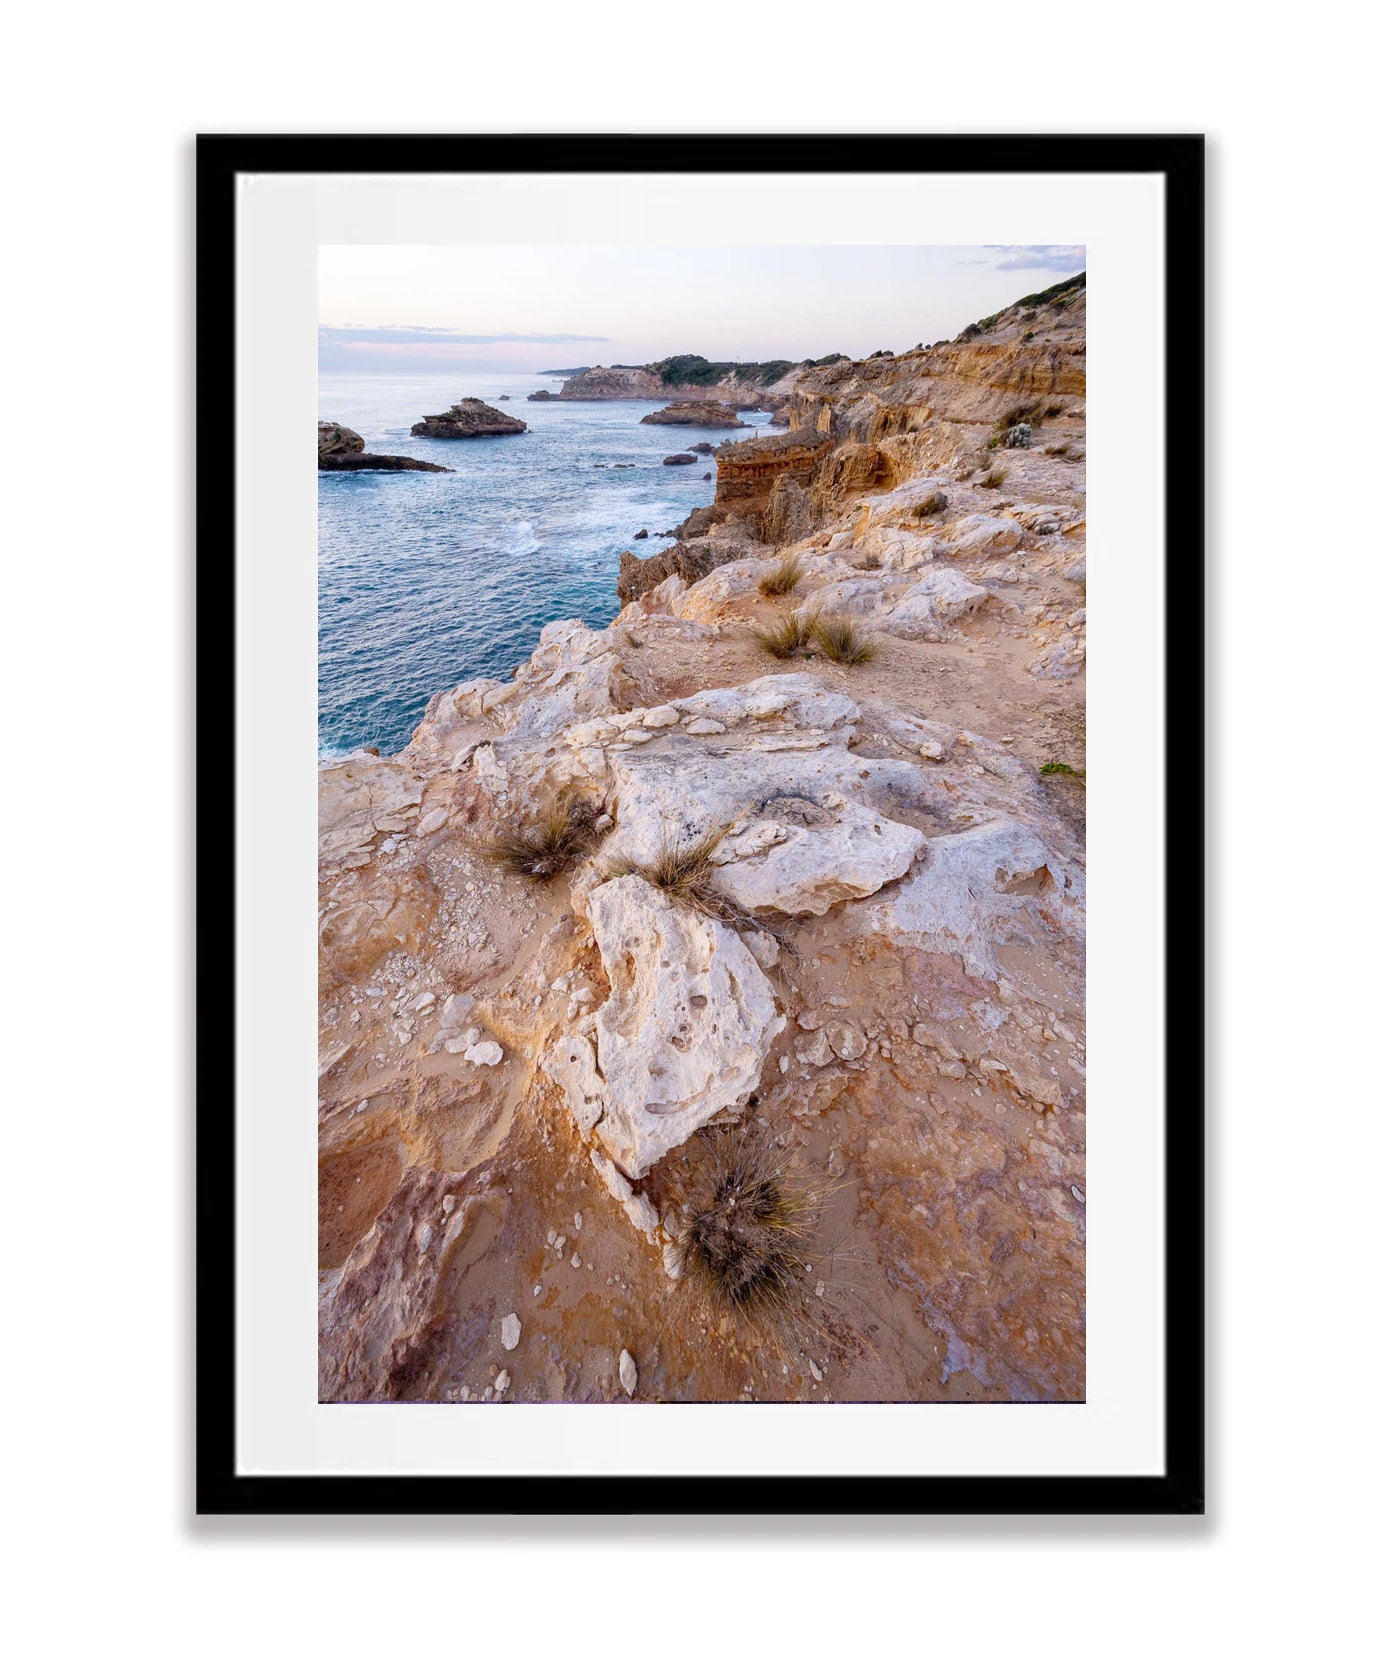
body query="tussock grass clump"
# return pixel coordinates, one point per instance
(746, 1238)
(931, 505)
(681, 869)
(785, 637)
(781, 579)
(994, 479)
(841, 639)
(1059, 449)
(560, 834)
(866, 563)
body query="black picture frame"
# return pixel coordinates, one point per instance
(1178, 159)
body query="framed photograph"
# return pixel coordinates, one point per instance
(701, 971)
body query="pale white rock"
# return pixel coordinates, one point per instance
(823, 857)
(704, 726)
(932, 749)
(996, 884)
(487, 1053)
(432, 822)
(502, 1382)
(937, 600)
(673, 1260)
(510, 1332)
(456, 1010)
(814, 1050)
(637, 737)
(637, 1206)
(686, 1029)
(424, 1000)
(981, 534)
(661, 717)
(627, 1371)
(764, 946)
(359, 798)
(573, 1065)
(846, 1041)
(463, 1042)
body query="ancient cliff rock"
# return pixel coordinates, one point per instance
(470, 418)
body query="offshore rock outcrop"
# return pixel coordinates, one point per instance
(338, 449)
(470, 418)
(696, 413)
(885, 972)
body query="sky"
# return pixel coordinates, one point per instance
(524, 308)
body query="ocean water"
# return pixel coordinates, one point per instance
(427, 579)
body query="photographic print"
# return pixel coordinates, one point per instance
(702, 824)
(670, 1014)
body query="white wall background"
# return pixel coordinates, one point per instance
(110, 1572)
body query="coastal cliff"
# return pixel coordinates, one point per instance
(854, 691)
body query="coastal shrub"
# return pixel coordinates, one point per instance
(1074, 283)
(681, 869)
(783, 638)
(1018, 436)
(561, 833)
(994, 479)
(781, 579)
(748, 1231)
(931, 505)
(700, 370)
(1055, 768)
(840, 639)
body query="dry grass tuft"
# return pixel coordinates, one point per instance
(781, 579)
(783, 638)
(936, 503)
(994, 479)
(681, 869)
(561, 833)
(841, 639)
(748, 1233)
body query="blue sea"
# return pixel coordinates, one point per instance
(427, 579)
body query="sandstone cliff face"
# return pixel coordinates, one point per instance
(513, 1070)
(470, 418)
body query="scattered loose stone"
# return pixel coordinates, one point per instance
(502, 1382)
(485, 1054)
(627, 1371)
(510, 1332)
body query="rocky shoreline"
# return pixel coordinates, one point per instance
(885, 972)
